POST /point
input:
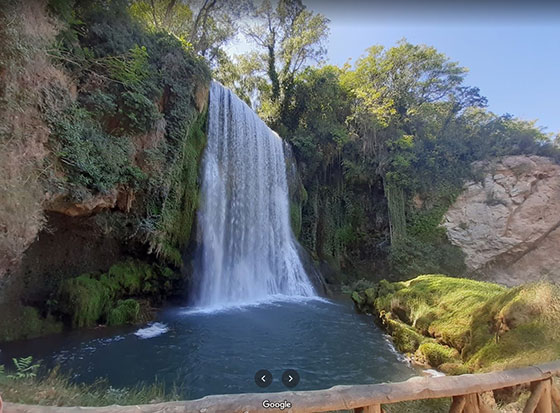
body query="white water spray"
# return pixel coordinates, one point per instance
(248, 251)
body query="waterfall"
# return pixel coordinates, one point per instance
(247, 251)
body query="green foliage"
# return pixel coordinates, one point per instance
(181, 201)
(399, 124)
(85, 299)
(92, 158)
(477, 325)
(413, 256)
(287, 36)
(97, 298)
(396, 209)
(24, 322)
(204, 29)
(295, 218)
(134, 126)
(126, 312)
(25, 369)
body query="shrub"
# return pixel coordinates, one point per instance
(91, 157)
(126, 312)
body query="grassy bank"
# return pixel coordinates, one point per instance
(19, 383)
(460, 325)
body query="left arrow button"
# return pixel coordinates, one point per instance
(263, 378)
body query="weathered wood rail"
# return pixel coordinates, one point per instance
(465, 391)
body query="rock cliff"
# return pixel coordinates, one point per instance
(98, 162)
(508, 223)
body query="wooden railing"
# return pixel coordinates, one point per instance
(465, 391)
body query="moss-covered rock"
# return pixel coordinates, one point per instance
(467, 325)
(454, 369)
(179, 208)
(436, 354)
(364, 299)
(406, 339)
(107, 298)
(86, 299)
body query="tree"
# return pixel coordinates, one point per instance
(289, 36)
(206, 25)
(404, 96)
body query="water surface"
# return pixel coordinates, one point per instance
(216, 352)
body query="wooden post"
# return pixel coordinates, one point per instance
(555, 394)
(458, 404)
(376, 408)
(537, 390)
(482, 406)
(545, 403)
(471, 406)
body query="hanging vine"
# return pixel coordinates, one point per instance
(396, 206)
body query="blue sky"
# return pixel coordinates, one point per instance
(513, 56)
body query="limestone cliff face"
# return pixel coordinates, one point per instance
(82, 189)
(508, 225)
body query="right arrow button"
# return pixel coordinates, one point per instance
(290, 378)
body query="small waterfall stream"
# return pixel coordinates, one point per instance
(248, 251)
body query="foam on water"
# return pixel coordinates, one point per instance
(153, 330)
(277, 299)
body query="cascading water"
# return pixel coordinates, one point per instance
(248, 251)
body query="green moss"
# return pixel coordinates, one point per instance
(406, 339)
(86, 299)
(130, 275)
(454, 368)
(295, 218)
(97, 298)
(490, 326)
(359, 300)
(448, 302)
(126, 312)
(181, 202)
(23, 322)
(521, 325)
(364, 300)
(436, 354)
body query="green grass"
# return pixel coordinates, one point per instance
(464, 325)
(436, 354)
(55, 390)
